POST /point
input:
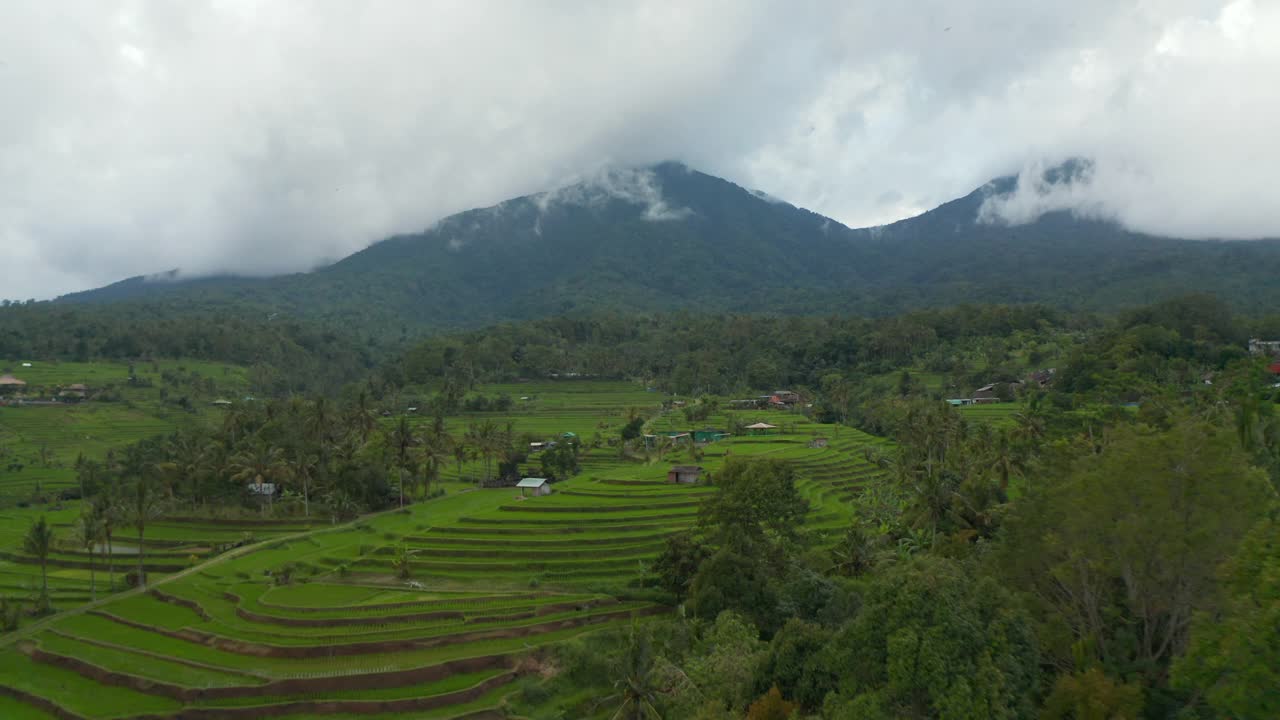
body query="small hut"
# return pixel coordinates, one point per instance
(9, 383)
(761, 428)
(818, 442)
(684, 474)
(536, 486)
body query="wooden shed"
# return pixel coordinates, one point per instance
(534, 486)
(684, 474)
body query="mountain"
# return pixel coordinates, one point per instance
(669, 237)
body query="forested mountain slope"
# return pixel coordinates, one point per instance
(669, 237)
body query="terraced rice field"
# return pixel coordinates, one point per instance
(492, 575)
(39, 443)
(995, 414)
(171, 545)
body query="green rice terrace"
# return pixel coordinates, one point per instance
(41, 437)
(426, 612)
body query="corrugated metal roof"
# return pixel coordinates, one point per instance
(532, 482)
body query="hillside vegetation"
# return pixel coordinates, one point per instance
(668, 237)
(1093, 536)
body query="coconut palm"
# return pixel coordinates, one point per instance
(260, 464)
(109, 511)
(433, 453)
(361, 416)
(144, 502)
(87, 533)
(401, 440)
(637, 687)
(38, 542)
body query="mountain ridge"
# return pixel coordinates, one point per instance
(669, 237)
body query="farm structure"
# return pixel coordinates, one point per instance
(684, 474)
(534, 486)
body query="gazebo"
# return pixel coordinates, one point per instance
(761, 428)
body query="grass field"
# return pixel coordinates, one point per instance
(998, 415)
(39, 443)
(491, 576)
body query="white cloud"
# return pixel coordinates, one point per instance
(264, 137)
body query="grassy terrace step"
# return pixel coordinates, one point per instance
(484, 527)
(189, 683)
(466, 603)
(429, 694)
(319, 665)
(222, 609)
(400, 614)
(59, 561)
(701, 492)
(502, 565)
(328, 646)
(523, 542)
(576, 520)
(515, 551)
(73, 692)
(622, 505)
(90, 658)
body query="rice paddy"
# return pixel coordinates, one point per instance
(423, 612)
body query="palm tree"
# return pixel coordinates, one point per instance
(362, 417)
(461, 453)
(1004, 459)
(432, 454)
(401, 440)
(190, 460)
(304, 469)
(261, 464)
(88, 530)
(637, 688)
(486, 436)
(109, 510)
(38, 542)
(146, 502)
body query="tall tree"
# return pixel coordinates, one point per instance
(38, 542)
(144, 502)
(88, 532)
(401, 440)
(1123, 550)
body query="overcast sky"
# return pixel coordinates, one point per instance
(265, 137)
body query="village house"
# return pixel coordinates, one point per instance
(818, 442)
(11, 384)
(74, 393)
(684, 474)
(1042, 378)
(1264, 347)
(534, 486)
(782, 399)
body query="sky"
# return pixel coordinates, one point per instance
(273, 136)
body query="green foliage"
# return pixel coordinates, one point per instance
(38, 543)
(1123, 550)
(758, 504)
(737, 582)
(1091, 695)
(771, 706)
(933, 641)
(1233, 663)
(732, 250)
(678, 563)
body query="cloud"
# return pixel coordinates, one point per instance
(637, 186)
(230, 135)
